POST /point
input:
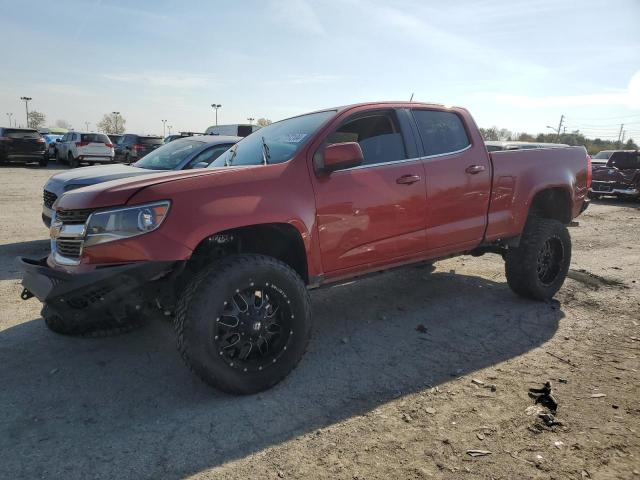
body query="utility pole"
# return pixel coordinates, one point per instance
(164, 129)
(559, 127)
(169, 127)
(251, 119)
(9, 115)
(624, 133)
(86, 124)
(115, 121)
(26, 107)
(620, 134)
(216, 106)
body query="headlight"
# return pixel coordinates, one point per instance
(119, 223)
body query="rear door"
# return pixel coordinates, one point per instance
(23, 141)
(458, 176)
(374, 213)
(95, 144)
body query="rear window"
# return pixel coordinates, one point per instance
(21, 133)
(441, 132)
(94, 138)
(150, 140)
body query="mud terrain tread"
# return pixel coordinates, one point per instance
(218, 271)
(520, 264)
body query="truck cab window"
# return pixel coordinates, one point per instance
(378, 135)
(441, 132)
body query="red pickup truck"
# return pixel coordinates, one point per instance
(231, 251)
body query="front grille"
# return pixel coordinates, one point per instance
(73, 216)
(69, 248)
(48, 198)
(602, 186)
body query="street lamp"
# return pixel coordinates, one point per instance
(86, 124)
(164, 124)
(9, 115)
(251, 119)
(169, 127)
(26, 107)
(115, 120)
(216, 106)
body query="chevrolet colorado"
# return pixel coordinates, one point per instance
(231, 251)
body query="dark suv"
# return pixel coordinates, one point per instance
(131, 147)
(617, 173)
(22, 145)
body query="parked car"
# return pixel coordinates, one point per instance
(183, 154)
(76, 148)
(171, 138)
(616, 173)
(134, 147)
(305, 202)
(51, 144)
(22, 145)
(115, 138)
(496, 145)
(238, 130)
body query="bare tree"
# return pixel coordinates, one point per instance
(263, 122)
(112, 123)
(36, 119)
(495, 133)
(63, 124)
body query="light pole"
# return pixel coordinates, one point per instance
(86, 124)
(26, 107)
(164, 124)
(9, 115)
(169, 127)
(115, 120)
(251, 119)
(216, 106)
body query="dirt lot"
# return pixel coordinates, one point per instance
(373, 398)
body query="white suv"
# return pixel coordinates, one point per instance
(90, 148)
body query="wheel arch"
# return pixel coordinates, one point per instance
(552, 202)
(282, 241)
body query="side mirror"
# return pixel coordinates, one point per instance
(200, 165)
(339, 156)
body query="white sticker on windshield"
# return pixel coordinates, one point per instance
(292, 138)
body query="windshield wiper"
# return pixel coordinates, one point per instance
(265, 152)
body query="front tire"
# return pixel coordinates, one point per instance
(537, 268)
(244, 323)
(73, 162)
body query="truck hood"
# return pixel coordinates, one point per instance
(118, 192)
(79, 177)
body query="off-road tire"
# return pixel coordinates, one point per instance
(202, 301)
(88, 328)
(521, 263)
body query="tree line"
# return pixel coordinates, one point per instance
(575, 138)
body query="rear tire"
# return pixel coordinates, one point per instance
(73, 162)
(537, 268)
(244, 351)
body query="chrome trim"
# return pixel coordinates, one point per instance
(60, 260)
(405, 160)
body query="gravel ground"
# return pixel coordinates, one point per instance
(397, 381)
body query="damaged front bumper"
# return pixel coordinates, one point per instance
(111, 291)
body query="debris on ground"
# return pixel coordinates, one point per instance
(478, 453)
(549, 420)
(598, 395)
(430, 410)
(407, 418)
(558, 444)
(480, 383)
(421, 328)
(544, 397)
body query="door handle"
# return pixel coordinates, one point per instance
(408, 179)
(473, 169)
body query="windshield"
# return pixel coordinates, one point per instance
(170, 155)
(604, 155)
(283, 139)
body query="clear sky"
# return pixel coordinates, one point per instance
(515, 64)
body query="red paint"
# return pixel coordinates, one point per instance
(351, 221)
